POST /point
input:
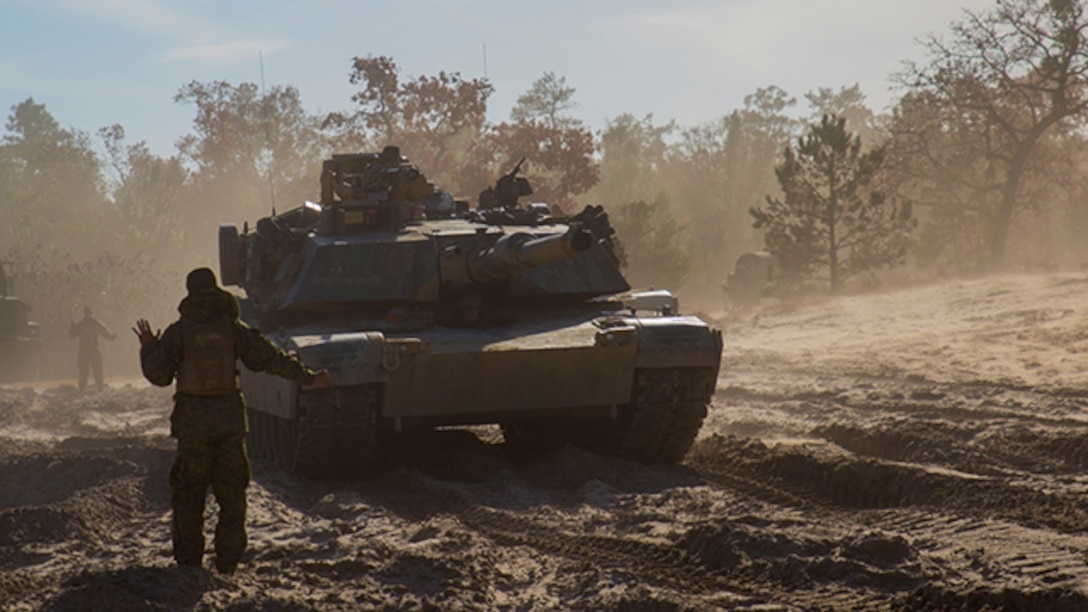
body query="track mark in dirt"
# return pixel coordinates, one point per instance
(693, 565)
(807, 394)
(837, 480)
(994, 448)
(861, 570)
(1009, 553)
(682, 562)
(939, 597)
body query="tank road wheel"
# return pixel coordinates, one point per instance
(662, 422)
(337, 432)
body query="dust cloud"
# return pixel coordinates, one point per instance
(921, 448)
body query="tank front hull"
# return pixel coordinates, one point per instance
(648, 375)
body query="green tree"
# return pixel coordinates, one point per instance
(653, 243)
(943, 163)
(717, 171)
(250, 152)
(147, 192)
(832, 217)
(433, 119)
(559, 149)
(52, 184)
(848, 103)
(559, 161)
(547, 101)
(633, 156)
(1006, 78)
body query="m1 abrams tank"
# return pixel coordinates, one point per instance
(20, 344)
(429, 313)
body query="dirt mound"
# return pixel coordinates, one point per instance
(779, 553)
(72, 492)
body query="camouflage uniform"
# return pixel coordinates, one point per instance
(209, 419)
(89, 357)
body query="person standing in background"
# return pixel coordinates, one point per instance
(89, 357)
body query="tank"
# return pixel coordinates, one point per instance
(20, 344)
(429, 313)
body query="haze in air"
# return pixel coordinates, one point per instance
(898, 414)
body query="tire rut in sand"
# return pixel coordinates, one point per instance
(835, 480)
(1023, 557)
(987, 448)
(956, 558)
(686, 562)
(689, 566)
(863, 396)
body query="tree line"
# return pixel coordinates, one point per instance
(987, 134)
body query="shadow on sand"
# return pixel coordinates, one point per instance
(134, 588)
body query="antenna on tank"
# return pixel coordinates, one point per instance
(267, 138)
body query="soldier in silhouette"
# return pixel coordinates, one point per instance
(87, 331)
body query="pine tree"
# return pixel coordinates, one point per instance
(833, 218)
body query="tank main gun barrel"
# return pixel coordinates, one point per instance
(520, 251)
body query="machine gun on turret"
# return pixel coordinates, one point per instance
(504, 195)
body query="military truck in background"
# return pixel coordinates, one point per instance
(430, 313)
(20, 344)
(752, 275)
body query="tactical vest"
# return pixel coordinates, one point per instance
(209, 364)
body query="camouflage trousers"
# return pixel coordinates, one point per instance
(221, 463)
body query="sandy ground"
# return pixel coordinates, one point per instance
(917, 449)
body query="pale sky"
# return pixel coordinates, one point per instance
(94, 63)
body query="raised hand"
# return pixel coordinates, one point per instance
(144, 333)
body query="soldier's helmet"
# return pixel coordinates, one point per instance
(200, 279)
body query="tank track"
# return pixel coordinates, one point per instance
(335, 436)
(271, 439)
(661, 424)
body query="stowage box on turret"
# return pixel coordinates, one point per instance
(430, 313)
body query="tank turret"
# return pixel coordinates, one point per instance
(382, 236)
